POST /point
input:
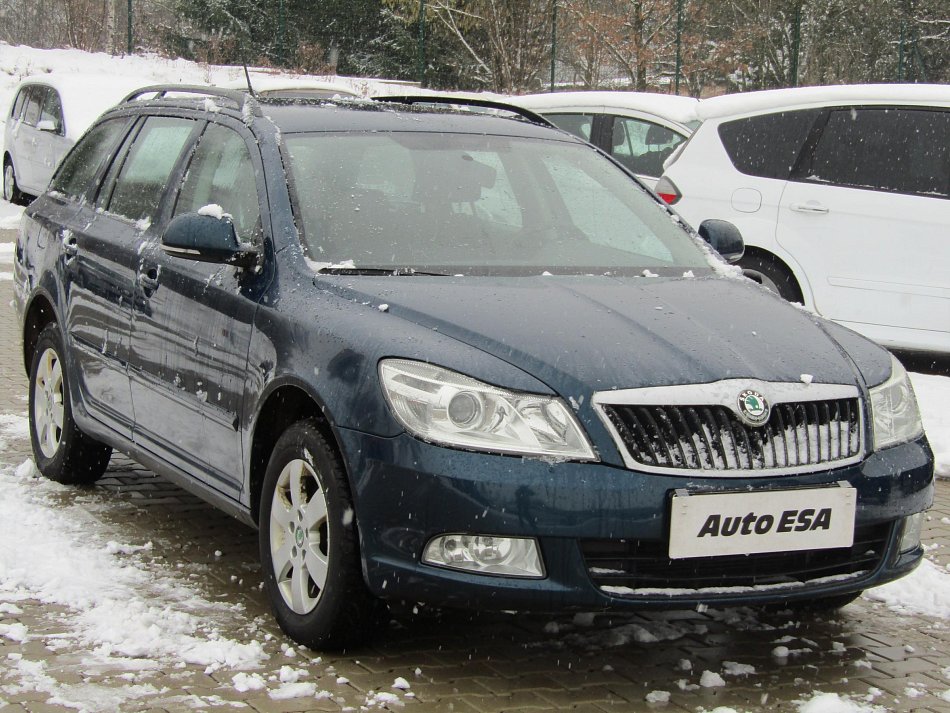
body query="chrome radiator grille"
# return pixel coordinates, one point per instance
(798, 436)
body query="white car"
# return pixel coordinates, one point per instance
(293, 88)
(48, 114)
(639, 129)
(842, 195)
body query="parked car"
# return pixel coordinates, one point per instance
(841, 194)
(452, 357)
(639, 129)
(49, 112)
(293, 88)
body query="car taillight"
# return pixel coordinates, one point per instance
(667, 190)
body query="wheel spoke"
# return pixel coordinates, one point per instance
(280, 513)
(51, 440)
(316, 566)
(315, 512)
(299, 591)
(296, 483)
(282, 558)
(58, 413)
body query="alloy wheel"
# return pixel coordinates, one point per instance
(299, 536)
(48, 407)
(9, 180)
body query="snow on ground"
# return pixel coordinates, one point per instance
(9, 215)
(933, 396)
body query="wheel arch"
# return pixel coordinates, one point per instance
(38, 315)
(283, 405)
(800, 280)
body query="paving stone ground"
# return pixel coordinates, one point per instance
(457, 661)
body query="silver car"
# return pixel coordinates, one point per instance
(48, 114)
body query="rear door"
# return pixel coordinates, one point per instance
(25, 140)
(97, 276)
(866, 214)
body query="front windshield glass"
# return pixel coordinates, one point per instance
(477, 204)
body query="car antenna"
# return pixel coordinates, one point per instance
(247, 76)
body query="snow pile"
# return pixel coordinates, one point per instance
(933, 395)
(119, 604)
(833, 703)
(9, 216)
(925, 591)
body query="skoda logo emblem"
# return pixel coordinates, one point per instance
(753, 408)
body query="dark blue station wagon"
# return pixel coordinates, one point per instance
(455, 357)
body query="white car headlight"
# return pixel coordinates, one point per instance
(443, 406)
(896, 418)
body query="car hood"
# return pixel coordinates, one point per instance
(582, 334)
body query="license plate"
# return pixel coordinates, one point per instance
(717, 524)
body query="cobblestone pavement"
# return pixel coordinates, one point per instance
(453, 661)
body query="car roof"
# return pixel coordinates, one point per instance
(85, 96)
(669, 106)
(341, 114)
(805, 97)
(295, 116)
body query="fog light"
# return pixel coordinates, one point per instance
(486, 554)
(911, 538)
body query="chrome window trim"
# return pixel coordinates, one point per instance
(725, 393)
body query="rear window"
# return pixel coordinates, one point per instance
(768, 145)
(886, 149)
(578, 124)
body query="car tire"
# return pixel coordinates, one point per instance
(310, 546)
(772, 274)
(11, 190)
(61, 451)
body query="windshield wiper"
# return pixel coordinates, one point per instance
(392, 271)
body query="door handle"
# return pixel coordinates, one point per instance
(148, 279)
(70, 245)
(809, 207)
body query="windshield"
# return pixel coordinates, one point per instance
(477, 204)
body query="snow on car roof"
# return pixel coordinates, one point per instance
(669, 106)
(85, 96)
(799, 97)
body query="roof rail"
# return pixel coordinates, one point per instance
(449, 100)
(240, 97)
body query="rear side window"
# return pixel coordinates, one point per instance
(34, 103)
(643, 146)
(768, 145)
(221, 173)
(897, 150)
(76, 172)
(578, 124)
(148, 166)
(53, 110)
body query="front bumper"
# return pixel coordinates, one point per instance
(406, 491)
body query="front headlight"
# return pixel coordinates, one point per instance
(896, 418)
(446, 407)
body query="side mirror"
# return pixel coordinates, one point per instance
(208, 239)
(724, 238)
(48, 125)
